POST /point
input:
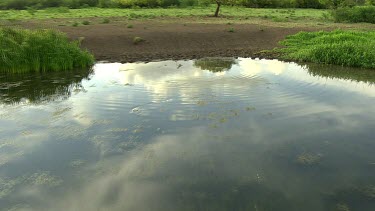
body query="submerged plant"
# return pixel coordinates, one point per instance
(23, 50)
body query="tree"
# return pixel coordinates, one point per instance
(222, 2)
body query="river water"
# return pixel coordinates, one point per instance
(210, 134)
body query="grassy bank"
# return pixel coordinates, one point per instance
(236, 12)
(40, 50)
(345, 48)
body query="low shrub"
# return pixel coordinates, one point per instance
(24, 50)
(86, 23)
(105, 21)
(137, 40)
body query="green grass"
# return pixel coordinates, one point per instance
(345, 48)
(24, 50)
(226, 11)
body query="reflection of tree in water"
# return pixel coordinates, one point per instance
(215, 64)
(338, 72)
(40, 87)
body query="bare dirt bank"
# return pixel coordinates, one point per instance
(114, 42)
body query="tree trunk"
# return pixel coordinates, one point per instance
(217, 9)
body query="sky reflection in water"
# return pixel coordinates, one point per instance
(211, 134)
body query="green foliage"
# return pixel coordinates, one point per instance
(39, 4)
(31, 10)
(58, 10)
(40, 50)
(74, 4)
(346, 48)
(137, 40)
(106, 4)
(355, 14)
(129, 26)
(317, 4)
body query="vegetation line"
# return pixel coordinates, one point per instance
(23, 50)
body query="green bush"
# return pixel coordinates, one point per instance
(355, 14)
(40, 50)
(346, 48)
(187, 3)
(58, 10)
(106, 3)
(137, 40)
(317, 4)
(17, 4)
(168, 3)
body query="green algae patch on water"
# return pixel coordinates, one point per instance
(345, 48)
(23, 50)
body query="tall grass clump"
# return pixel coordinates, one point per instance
(365, 14)
(23, 50)
(345, 48)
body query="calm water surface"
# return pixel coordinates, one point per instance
(210, 134)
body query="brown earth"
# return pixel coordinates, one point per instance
(173, 39)
(114, 42)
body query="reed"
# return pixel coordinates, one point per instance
(23, 50)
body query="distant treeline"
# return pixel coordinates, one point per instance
(73, 4)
